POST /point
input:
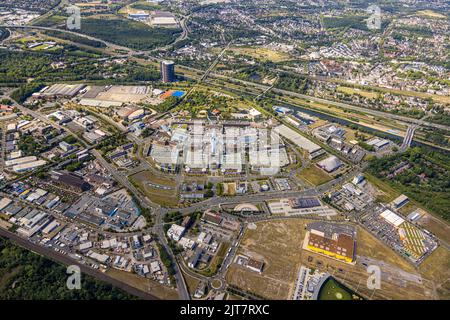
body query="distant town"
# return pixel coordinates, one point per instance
(229, 150)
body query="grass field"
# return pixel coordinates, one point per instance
(333, 290)
(191, 283)
(315, 175)
(263, 54)
(437, 268)
(436, 226)
(147, 183)
(363, 93)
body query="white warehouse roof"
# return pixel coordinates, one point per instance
(296, 138)
(392, 218)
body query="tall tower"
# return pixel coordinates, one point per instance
(167, 71)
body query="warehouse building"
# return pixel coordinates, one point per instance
(304, 203)
(332, 240)
(71, 180)
(298, 139)
(378, 144)
(4, 203)
(10, 163)
(400, 201)
(166, 157)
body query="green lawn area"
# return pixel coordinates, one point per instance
(333, 290)
(148, 184)
(315, 175)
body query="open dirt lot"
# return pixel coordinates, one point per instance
(266, 242)
(279, 242)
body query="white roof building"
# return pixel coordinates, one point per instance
(330, 164)
(155, 267)
(175, 232)
(392, 218)
(186, 243)
(29, 166)
(103, 258)
(22, 160)
(164, 155)
(85, 245)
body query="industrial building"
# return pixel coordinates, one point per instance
(29, 166)
(166, 157)
(378, 144)
(400, 201)
(164, 19)
(70, 180)
(392, 218)
(139, 16)
(304, 203)
(4, 203)
(60, 91)
(17, 161)
(297, 139)
(332, 240)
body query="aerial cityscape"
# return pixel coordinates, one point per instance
(224, 150)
